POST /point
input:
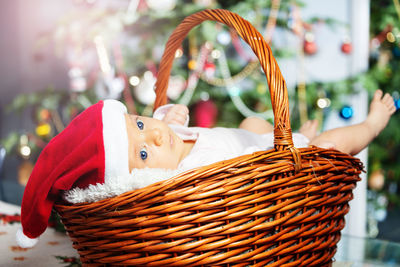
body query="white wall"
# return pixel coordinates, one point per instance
(330, 64)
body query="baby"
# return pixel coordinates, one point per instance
(165, 142)
(104, 143)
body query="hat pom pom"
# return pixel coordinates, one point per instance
(23, 241)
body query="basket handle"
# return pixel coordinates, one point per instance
(277, 85)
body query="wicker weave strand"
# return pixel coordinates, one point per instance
(281, 207)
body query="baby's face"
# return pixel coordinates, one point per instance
(152, 144)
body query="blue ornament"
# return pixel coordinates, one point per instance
(396, 51)
(397, 103)
(346, 112)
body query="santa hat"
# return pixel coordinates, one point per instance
(92, 149)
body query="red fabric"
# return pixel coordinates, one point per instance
(74, 158)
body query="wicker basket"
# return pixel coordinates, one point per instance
(281, 207)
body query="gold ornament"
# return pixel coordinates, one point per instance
(24, 171)
(376, 180)
(43, 129)
(192, 64)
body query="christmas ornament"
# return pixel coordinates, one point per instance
(109, 86)
(24, 149)
(223, 38)
(178, 53)
(392, 188)
(176, 85)
(142, 6)
(24, 171)
(310, 47)
(397, 103)
(346, 112)
(390, 37)
(396, 98)
(144, 92)
(134, 80)
(323, 102)
(77, 80)
(44, 115)
(376, 180)
(26, 167)
(204, 3)
(396, 51)
(115, 86)
(205, 113)
(346, 47)
(374, 48)
(215, 54)
(43, 129)
(192, 64)
(209, 69)
(165, 5)
(381, 214)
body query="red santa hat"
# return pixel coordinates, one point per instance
(92, 149)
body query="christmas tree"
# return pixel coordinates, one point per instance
(214, 73)
(384, 171)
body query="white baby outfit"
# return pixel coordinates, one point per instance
(217, 144)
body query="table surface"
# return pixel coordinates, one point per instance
(55, 248)
(358, 251)
(51, 245)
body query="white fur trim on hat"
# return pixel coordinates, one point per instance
(115, 139)
(138, 178)
(23, 241)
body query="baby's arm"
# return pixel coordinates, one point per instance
(256, 125)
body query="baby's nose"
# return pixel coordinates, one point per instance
(154, 135)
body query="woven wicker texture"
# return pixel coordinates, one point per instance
(281, 207)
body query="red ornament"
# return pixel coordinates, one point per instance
(346, 47)
(205, 113)
(44, 114)
(209, 69)
(142, 5)
(310, 47)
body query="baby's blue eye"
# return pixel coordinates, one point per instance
(140, 124)
(143, 154)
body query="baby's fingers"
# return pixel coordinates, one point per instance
(178, 120)
(180, 109)
(177, 115)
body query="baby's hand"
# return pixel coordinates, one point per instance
(177, 115)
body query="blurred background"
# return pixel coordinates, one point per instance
(59, 57)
